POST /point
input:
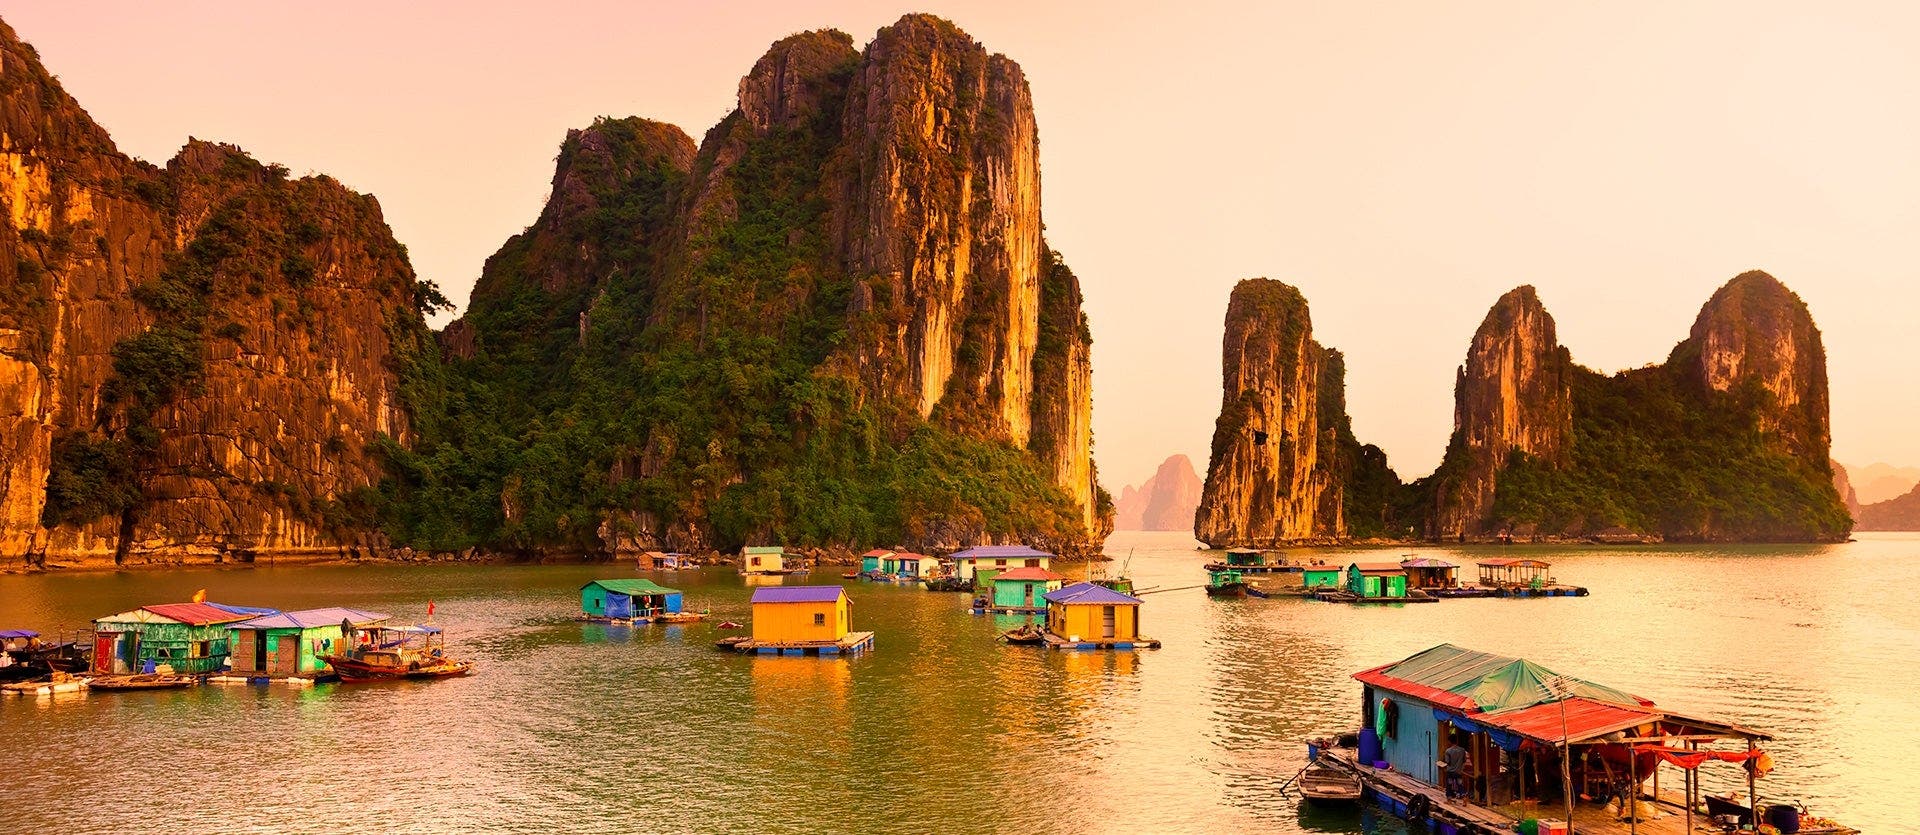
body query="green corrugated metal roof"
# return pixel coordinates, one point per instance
(763, 549)
(632, 587)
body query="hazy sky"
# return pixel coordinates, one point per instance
(1402, 163)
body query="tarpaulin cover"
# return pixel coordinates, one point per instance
(1427, 562)
(1379, 568)
(1694, 759)
(249, 611)
(18, 633)
(1515, 562)
(1451, 676)
(1584, 719)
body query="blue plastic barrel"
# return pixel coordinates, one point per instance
(1784, 818)
(1369, 745)
(1313, 752)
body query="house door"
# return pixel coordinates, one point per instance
(286, 656)
(103, 651)
(619, 606)
(1029, 597)
(1106, 621)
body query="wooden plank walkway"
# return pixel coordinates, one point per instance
(853, 644)
(1056, 642)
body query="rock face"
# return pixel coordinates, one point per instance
(1513, 394)
(1900, 513)
(850, 264)
(195, 362)
(1844, 486)
(1272, 478)
(1726, 441)
(1877, 483)
(1164, 502)
(1756, 331)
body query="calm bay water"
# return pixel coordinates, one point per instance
(591, 728)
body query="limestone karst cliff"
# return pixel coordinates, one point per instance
(1725, 441)
(1283, 456)
(198, 361)
(1166, 501)
(836, 321)
(1513, 394)
(1900, 513)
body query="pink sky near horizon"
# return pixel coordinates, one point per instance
(1402, 163)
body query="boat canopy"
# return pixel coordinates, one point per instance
(1513, 562)
(18, 633)
(311, 618)
(1426, 562)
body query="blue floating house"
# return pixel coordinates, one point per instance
(627, 600)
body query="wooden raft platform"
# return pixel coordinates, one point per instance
(1392, 789)
(854, 644)
(1056, 642)
(1007, 610)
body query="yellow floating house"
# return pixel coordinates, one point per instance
(803, 620)
(1089, 616)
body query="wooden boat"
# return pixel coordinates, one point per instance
(1322, 784)
(143, 681)
(948, 584)
(679, 617)
(1254, 591)
(393, 653)
(58, 682)
(1226, 584)
(1025, 635)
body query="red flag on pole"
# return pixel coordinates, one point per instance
(429, 608)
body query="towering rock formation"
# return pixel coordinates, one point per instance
(1756, 331)
(1900, 513)
(1514, 394)
(1728, 440)
(196, 360)
(1844, 486)
(1273, 475)
(850, 267)
(1164, 502)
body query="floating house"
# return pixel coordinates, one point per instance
(1377, 580)
(627, 600)
(1523, 726)
(294, 644)
(910, 566)
(192, 638)
(872, 561)
(979, 564)
(1514, 572)
(763, 559)
(1430, 573)
(1091, 616)
(1322, 577)
(1023, 589)
(663, 561)
(802, 620)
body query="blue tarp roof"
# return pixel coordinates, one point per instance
(244, 610)
(309, 618)
(18, 633)
(998, 552)
(1088, 593)
(797, 594)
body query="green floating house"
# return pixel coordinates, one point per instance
(1322, 577)
(192, 638)
(293, 644)
(627, 600)
(1024, 589)
(1377, 579)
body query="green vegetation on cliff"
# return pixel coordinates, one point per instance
(1654, 451)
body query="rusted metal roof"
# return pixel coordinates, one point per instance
(195, 614)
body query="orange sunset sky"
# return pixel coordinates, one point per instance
(1402, 163)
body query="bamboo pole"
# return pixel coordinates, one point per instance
(1753, 800)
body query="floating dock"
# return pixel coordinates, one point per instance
(853, 644)
(1056, 642)
(1007, 610)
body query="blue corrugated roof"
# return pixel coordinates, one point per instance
(998, 552)
(310, 618)
(1088, 593)
(244, 610)
(797, 594)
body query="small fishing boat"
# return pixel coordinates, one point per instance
(948, 583)
(1024, 635)
(679, 617)
(851, 575)
(393, 653)
(1322, 784)
(143, 681)
(58, 682)
(726, 624)
(1226, 584)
